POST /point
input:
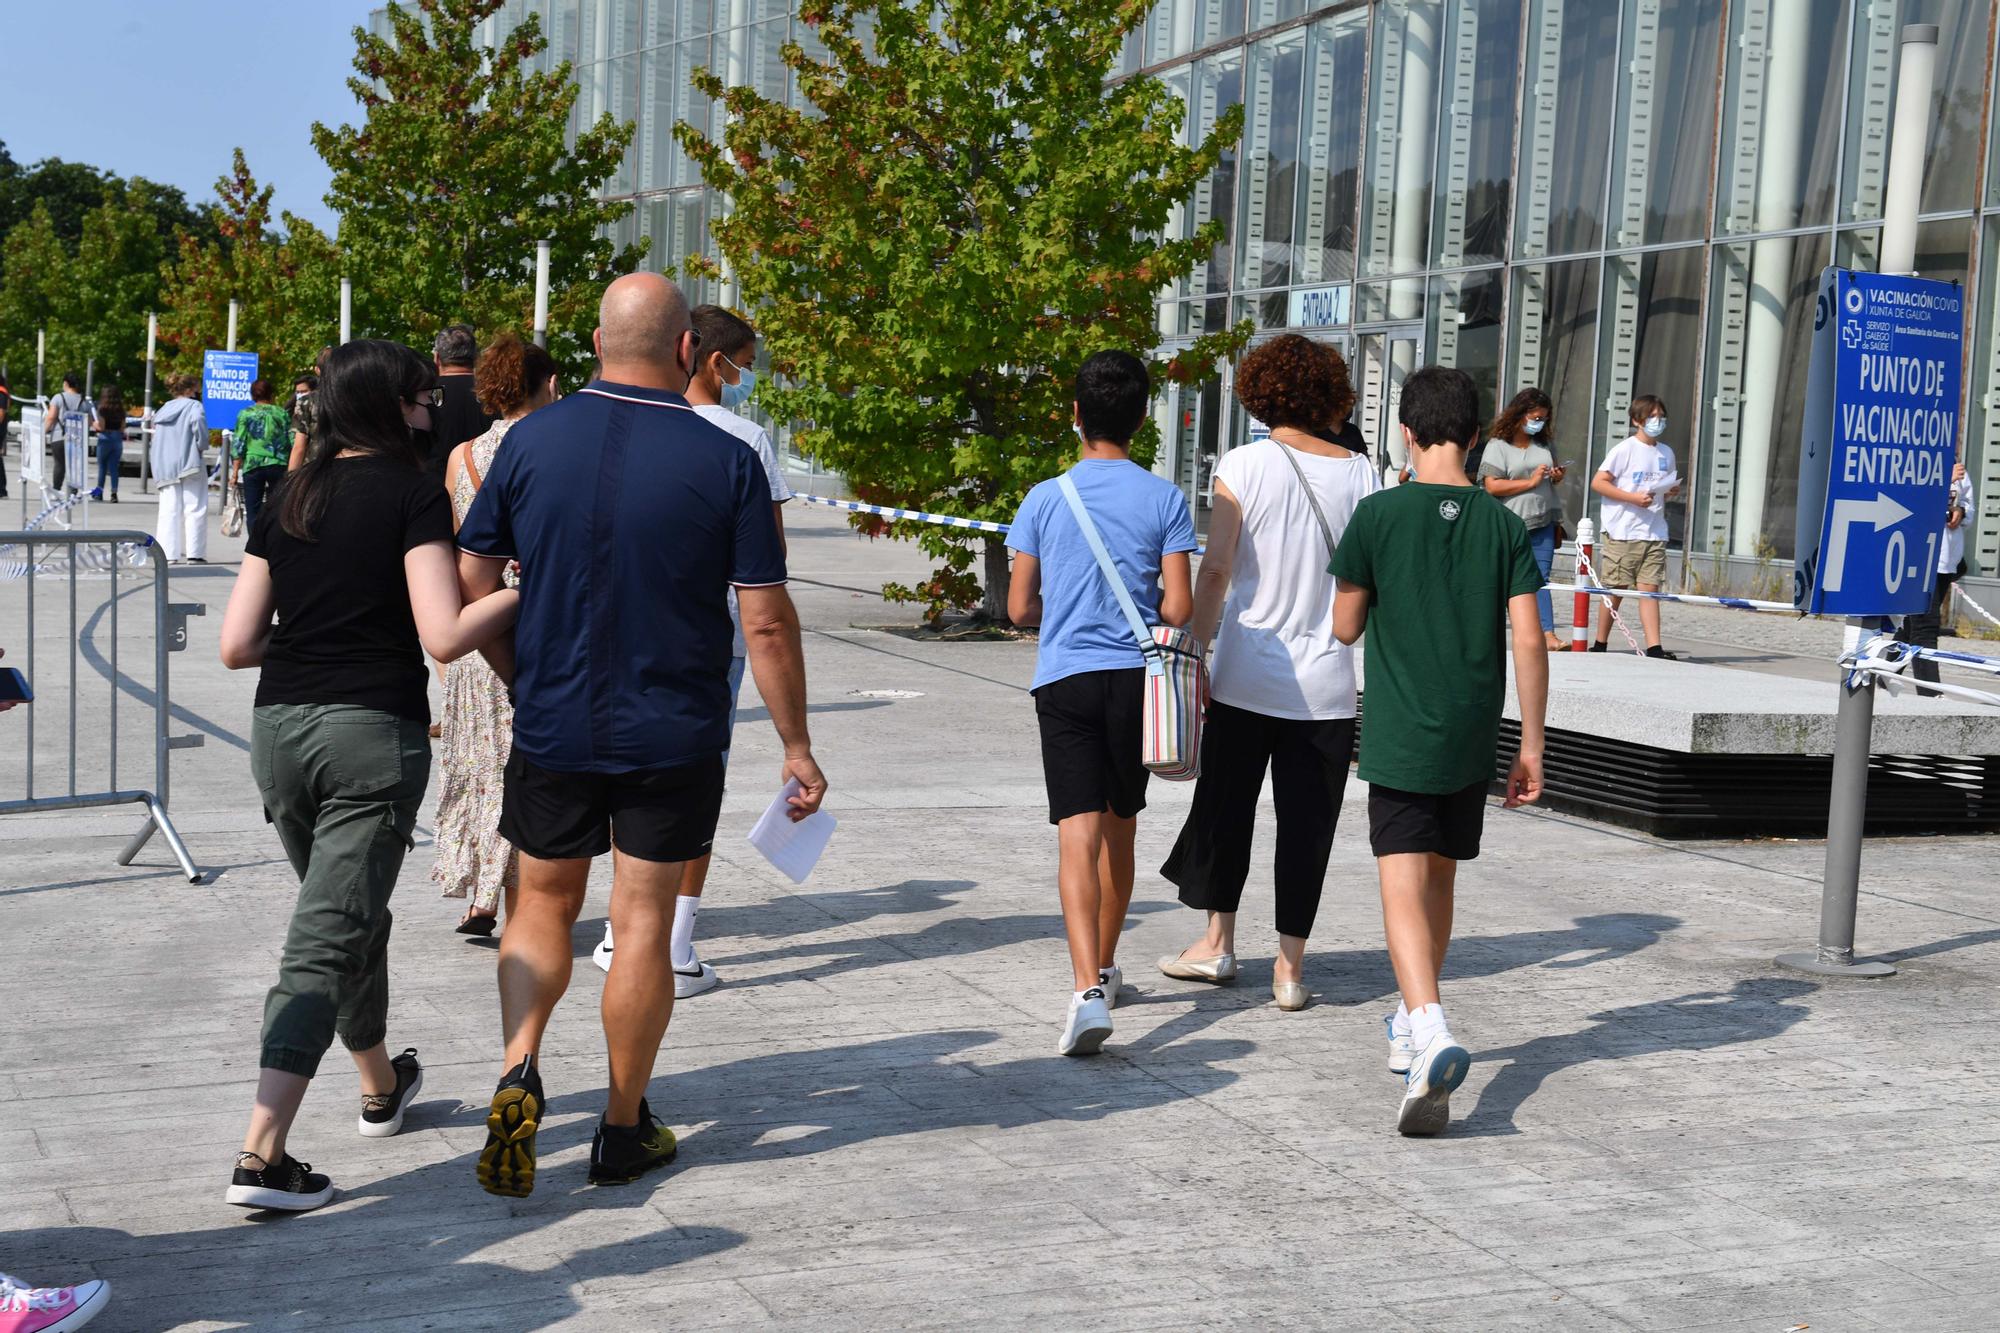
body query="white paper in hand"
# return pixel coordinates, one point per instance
(794, 848)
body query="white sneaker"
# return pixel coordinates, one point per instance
(1402, 1047)
(695, 980)
(1089, 1024)
(601, 955)
(1110, 980)
(1438, 1069)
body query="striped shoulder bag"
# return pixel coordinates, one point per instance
(1176, 674)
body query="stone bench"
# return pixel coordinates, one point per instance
(1684, 750)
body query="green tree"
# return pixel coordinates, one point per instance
(460, 165)
(71, 190)
(286, 283)
(962, 215)
(35, 271)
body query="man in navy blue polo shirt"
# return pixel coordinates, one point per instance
(631, 518)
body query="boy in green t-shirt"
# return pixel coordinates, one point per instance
(1434, 571)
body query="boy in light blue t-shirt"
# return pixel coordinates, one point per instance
(1089, 673)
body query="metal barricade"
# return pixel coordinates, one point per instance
(43, 558)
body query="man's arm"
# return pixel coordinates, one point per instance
(1211, 586)
(778, 661)
(479, 577)
(1024, 591)
(1531, 682)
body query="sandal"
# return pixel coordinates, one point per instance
(477, 923)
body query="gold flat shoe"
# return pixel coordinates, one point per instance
(1291, 996)
(1220, 968)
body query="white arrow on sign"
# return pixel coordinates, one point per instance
(1881, 511)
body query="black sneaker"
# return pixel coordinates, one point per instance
(291, 1186)
(507, 1162)
(620, 1154)
(1662, 654)
(1600, 646)
(382, 1113)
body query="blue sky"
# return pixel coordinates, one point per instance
(196, 78)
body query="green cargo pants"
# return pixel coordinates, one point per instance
(342, 784)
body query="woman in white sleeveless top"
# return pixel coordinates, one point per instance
(476, 732)
(1283, 689)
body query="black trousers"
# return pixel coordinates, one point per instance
(1308, 763)
(1923, 630)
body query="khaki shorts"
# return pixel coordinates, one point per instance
(1633, 564)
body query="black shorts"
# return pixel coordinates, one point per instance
(659, 814)
(1446, 824)
(1092, 727)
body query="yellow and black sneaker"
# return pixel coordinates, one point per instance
(620, 1154)
(507, 1162)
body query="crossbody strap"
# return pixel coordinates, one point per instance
(1325, 529)
(1155, 663)
(471, 468)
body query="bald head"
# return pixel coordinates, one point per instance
(640, 324)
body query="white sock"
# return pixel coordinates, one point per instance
(681, 942)
(1427, 1023)
(1401, 1023)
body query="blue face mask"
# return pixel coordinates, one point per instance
(1534, 426)
(737, 394)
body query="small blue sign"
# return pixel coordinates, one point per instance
(225, 386)
(1875, 463)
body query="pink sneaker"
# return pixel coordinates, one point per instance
(26, 1309)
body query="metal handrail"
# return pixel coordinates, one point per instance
(169, 636)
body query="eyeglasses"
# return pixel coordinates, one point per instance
(433, 397)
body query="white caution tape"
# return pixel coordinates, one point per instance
(907, 515)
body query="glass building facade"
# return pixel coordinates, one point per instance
(1599, 197)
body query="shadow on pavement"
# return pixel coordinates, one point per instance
(407, 1256)
(1356, 976)
(1755, 1010)
(954, 936)
(791, 1114)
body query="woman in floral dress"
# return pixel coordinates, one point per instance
(513, 378)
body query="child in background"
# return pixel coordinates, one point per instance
(1636, 481)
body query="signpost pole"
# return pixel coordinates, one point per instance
(346, 310)
(230, 345)
(541, 293)
(41, 356)
(146, 414)
(1854, 725)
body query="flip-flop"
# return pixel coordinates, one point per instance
(477, 925)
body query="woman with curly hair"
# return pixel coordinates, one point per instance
(1519, 469)
(513, 379)
(1282, 687)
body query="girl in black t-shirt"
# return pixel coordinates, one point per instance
(353, 560)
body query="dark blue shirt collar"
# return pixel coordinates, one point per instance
(667, 397)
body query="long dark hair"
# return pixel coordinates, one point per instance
(1508, 423)
(363, 386)
(111, 407)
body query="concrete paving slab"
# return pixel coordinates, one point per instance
(1660, 1130)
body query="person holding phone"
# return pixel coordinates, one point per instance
(352, 559)
(1520, 470)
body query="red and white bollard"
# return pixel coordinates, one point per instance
(1579, 630)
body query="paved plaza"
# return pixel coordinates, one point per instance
(1661, 1130)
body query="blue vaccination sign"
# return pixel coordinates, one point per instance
(225, 386)
(1880, 435)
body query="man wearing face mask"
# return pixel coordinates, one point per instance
(1636, 480)
(720, 387)
(631, 518)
